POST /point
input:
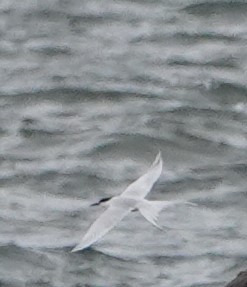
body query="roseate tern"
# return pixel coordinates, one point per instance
(133, 198)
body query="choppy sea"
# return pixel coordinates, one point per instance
(89, 92)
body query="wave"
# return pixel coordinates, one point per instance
(217, 8)
(226, 62)
(227, 93)
(70, 95)
(223, 87)
(204, 35)
(188, 37)
(219, 140)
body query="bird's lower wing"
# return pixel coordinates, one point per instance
(141, 187)
(103, 224)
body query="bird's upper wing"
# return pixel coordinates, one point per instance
(141, 187)
(103, 224)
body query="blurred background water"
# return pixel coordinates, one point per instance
(89, 92)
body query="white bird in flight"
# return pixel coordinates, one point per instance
(133, 198)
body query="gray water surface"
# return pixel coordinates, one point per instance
(89, 92)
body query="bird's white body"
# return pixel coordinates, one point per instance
(131, 199)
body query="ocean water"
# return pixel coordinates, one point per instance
(89, 92)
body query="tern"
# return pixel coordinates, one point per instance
(132, 199)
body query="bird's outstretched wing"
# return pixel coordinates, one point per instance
(141, 187)
(103, 224)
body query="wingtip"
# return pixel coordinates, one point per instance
(80, 247)
(159, 154)
(158, 158)
(76, 248)
(191, 203)
(160, 227)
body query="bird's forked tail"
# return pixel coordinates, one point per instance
(151, 209)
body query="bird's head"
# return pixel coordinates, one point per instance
(102, 202)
